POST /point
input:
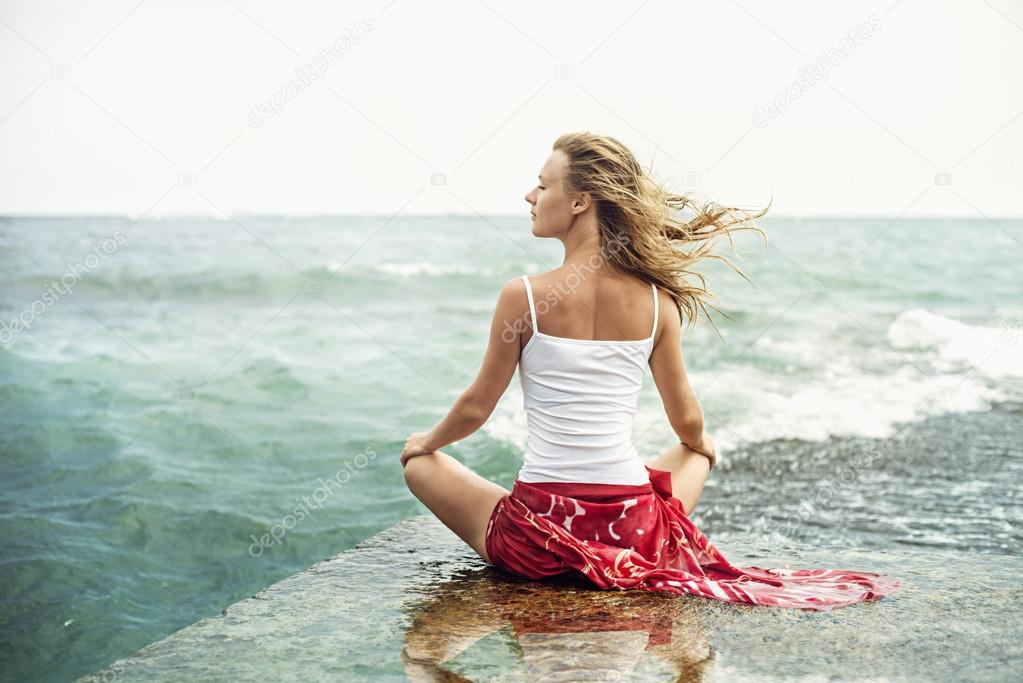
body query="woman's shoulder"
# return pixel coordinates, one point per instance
(572, 275)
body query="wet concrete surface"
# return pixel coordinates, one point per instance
(415, 603)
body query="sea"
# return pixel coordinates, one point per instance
(192, 408)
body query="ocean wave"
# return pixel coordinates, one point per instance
(221, 282)
(432, 269)
(196, 285)
(844, 401)
(931, 365)
(996, 352)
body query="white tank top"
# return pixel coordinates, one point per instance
(580, 397)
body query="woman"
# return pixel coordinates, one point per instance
(582, 336)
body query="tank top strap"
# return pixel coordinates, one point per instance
(656, 308)
(532, 307)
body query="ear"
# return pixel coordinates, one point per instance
(582, 202)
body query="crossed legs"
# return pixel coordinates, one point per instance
(464, 501)
(461, 499)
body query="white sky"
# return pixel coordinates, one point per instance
(104, 105)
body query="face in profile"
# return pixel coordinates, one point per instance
(553, 205)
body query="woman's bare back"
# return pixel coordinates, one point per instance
(601, 304)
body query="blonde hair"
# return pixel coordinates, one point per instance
(640, 231)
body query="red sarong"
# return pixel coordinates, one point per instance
(640, 537)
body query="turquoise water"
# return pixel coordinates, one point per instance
(194, 385)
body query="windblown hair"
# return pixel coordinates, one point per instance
(641, 231)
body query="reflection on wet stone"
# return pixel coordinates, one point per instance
(560, 630)
(415, 603)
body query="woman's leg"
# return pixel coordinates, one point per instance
(461, 499)
(689, 471)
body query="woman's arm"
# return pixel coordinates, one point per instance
(475, 405)
(669, 371)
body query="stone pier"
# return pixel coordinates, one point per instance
(415, 603)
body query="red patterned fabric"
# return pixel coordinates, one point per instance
(640, 537)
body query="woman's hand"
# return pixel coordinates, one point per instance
(415, 444)
(706, 447)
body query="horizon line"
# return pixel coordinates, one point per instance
(788, 216)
